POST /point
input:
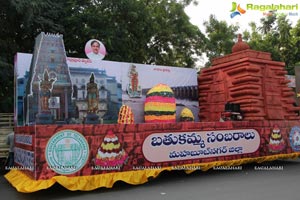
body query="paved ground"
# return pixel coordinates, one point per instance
(279, 180)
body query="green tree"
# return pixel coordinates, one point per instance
(21, 21)
(285, 45)
(268, 22)
(145, 31)
(220, 38)
(277, 36)
(254, 38)
(295, 42)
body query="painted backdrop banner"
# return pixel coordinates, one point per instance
(118, 83)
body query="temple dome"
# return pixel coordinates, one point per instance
(240, 45)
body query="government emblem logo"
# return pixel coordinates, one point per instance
(67, 151)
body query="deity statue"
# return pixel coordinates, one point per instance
(45, 91)
(134, 78)
(92, 95)
(133, 89)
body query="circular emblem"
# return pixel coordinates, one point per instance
(67, 152)
(295, 138)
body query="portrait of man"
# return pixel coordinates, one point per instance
(95, 50)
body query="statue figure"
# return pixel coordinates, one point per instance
(45, 91)
(92, 95)
(133, 89)
(134, 78)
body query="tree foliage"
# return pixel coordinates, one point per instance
(145, 31)
(220, 38)
(21, 22)
(277, 36)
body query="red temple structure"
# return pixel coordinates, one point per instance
(249, 78)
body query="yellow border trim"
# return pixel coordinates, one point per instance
(25, 184)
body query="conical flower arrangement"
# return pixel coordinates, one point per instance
(160, 105)
(276, 143)
(110, 152)
(186, 115)
(125, 115)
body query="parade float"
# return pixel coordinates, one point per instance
(86, 128)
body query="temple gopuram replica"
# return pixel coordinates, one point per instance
(50, 82)
(246, 114)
